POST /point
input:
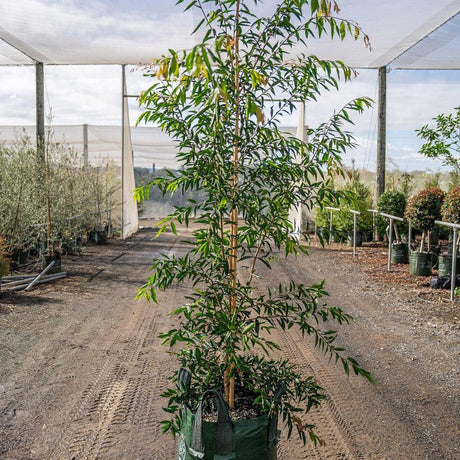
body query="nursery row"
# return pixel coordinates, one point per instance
(419, 213)
(47, 203)
(430, 212)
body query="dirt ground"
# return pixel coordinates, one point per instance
(82, 368)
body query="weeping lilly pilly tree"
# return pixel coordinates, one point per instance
(222, 101)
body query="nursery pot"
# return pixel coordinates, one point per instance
(359, 238)
(399, 253)
(20, 256)
(420, 263)
(97, 236)
(47, 259)
(101, 237)
(252, 439)
(368, 236)
(445, 265)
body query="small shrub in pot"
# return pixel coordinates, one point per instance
(423, 209)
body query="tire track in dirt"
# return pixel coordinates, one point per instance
(123, 393)
(373, 421)
(337, 430)
(36, 372)
(331, 426)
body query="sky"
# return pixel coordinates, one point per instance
(92, 95)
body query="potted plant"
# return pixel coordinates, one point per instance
(220, 102)
(393, 202)
(450, 213)
(423, 209)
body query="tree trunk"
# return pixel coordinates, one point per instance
(422, 241)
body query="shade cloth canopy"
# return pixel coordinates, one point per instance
(410, 34)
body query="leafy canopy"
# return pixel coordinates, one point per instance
(424, 208)
(443, 140)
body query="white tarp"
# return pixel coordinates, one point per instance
(129, 220)
(135, 31)
(295, 214)
(149, 144)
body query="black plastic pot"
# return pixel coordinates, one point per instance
(368, 236)
(420, 263)
(359, 238)
(97, 236)
(399, 253)
(20, 256)
(252, 439)
(47, 259)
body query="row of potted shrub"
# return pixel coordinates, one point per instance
(422, 210)
(38, 196)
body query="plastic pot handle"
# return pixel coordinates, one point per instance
(224, 430)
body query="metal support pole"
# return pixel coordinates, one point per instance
(38, 277)
(355, 229)
(381, 130)
(390, 242)
(374, 223)
(374, 232)
(40, 109)
(330, 223)
(453, 275)
(123, 81)
(354, 234)
(85, 145)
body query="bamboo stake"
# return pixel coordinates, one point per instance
(229, 382)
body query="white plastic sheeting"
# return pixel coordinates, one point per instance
(129, 216)
(403, 33)
(295, 214)
(149, 144)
